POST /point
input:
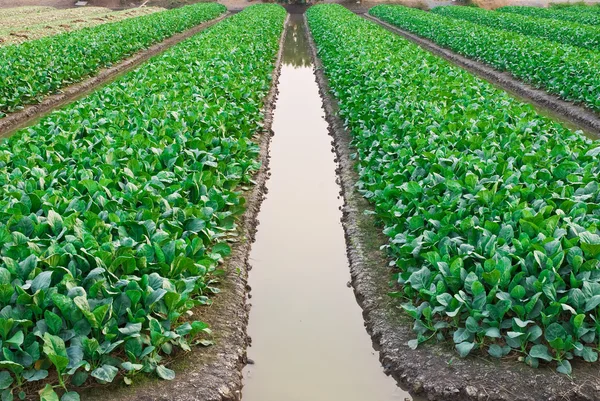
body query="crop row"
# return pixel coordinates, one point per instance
(555, 13)
(567, 71)
(491, 210)
(557, 31)
(32, 69)
(116, 210)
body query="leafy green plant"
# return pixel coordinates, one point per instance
(562, 14)
(555, 30)
(491, 210)
(116, 211)
(33, 69)
(567, 71)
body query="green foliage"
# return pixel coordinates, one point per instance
(491, 210)
(554, 30)
(577, 15)
(115, 211)
(567, 71)
(33, 69)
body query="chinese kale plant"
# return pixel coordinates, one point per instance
(491, 210)
(578, 15)
(115, 211)
(564, 70)
(33, 69)
(557, 31)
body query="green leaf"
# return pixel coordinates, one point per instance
(55, 221)
(54, 348)
(554, 331)
(5, 380)
(53, 321)
(105, 373)
(48, 394)
(540, 351)
(564, 367)
(70, 396)
(165, 373)
(464, 348)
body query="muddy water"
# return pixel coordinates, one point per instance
(308, 338)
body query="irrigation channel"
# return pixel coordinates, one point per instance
(308, 337)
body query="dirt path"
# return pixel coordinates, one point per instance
(14, 121)
(432, 370)
(573, 115)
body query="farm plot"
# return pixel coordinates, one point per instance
(33, 69)
(19, 11)
(116, 211)
(16, 30)
(491, 210)
(557, 31)
(561, 14)
(569, 72)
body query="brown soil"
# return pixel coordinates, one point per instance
(433, 370)
(574, 115)
(29, 114)
(214, 373)
(51, 3)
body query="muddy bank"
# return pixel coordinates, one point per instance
(214, 373)
(433, 370)
(31, 113)
(573, 115)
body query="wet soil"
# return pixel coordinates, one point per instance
(573, 115)
(31, 113)
(308, 337)
(432, 370)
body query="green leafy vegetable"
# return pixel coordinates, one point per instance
(33, 69)
(116, 211)
(492, 211)
(566, 71)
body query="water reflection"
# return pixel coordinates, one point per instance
(295, 50)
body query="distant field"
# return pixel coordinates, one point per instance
(20, 24)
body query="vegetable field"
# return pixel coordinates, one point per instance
(578, 16)
(491, 209)
(470, 219)
(555, 30)
(33, 69)
(567, 71)
(117, 210)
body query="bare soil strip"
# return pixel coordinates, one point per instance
(433, 369)
(30, 113)
(572, 114)
(214, 373)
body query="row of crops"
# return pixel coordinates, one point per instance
(491, 210)
(564, 70)
(558, 31)
(116, 210)
(33, 69)
(579, 15)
